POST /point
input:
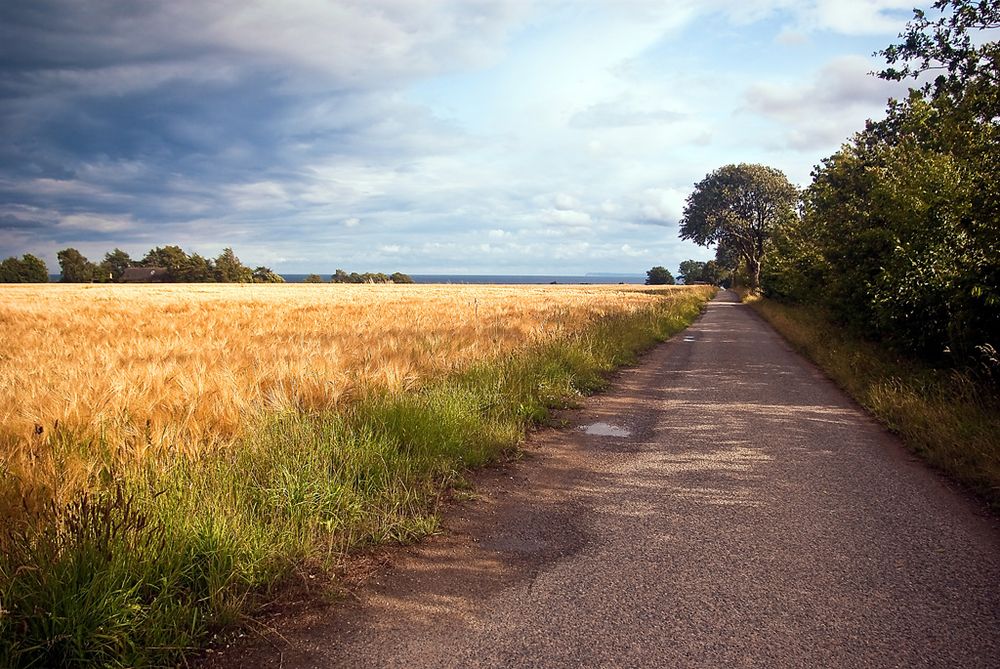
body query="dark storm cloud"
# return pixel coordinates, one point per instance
(175, 113)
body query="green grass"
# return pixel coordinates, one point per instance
(141, 571)
(943, 416)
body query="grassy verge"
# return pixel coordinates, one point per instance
(140, 571)
(943, 416)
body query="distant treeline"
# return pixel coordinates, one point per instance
(176, 266)
(171, 264)
(27, 269)
(691, 272)
(340, 276)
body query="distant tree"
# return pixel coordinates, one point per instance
(399, 277)
(739, 206)
(265, 275)
(313, 278)
(75, 267)
(171, 258)
(229, 269)
(197, 269)
(114, 265)
(716, 274)
(340, 276)
(659, 276)
(33, 269)
(29, 269)
(692, 271)
(10, 270)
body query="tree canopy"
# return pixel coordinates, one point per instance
(340, 276)
(27, 269)
(659, 276)
(739, 206)
(900, 232)
(696, 271)
(75, 267)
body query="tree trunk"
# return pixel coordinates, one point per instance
(753, 269)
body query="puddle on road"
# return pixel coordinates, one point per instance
(689, 338)
(606, 430)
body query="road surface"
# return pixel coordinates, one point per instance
(728, 507)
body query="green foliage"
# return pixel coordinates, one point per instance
(340, 276)
(659, 276)
(114, 264)
(29, 269)
(696, 271)
(198, 269)
(739, 207)
(10, 270)
(265, 275)
(171, 258)
(968, 69)
(399, 277)
(901, 231)
(229, 269)
(691, 271)
(138, 572)
(313, 278)
(75, 267)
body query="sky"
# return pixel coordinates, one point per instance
(424, 136)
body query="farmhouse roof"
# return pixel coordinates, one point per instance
(141, 274)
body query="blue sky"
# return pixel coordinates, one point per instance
(508, 136)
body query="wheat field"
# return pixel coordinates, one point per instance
(187, 367)
(171, 453)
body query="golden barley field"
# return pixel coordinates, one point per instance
(171, 453)
(185, 367)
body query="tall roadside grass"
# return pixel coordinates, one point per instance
(945, 416)
(138, 570)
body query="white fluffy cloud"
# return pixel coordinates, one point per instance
(527, 132)
(824, 110)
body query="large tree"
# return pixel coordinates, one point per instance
(75, 267)
(692, 271)
(900, 230)
(229, 269)
(266, 275)
(739, 206)
(959, 110)
(198, 269)
(659, 276)
(171, 257)
(114, 264)
(29, 269)
(33, 269)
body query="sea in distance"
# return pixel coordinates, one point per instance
(508, 279)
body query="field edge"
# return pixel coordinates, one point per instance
(168, 559)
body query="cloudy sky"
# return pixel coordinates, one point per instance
(427, 136)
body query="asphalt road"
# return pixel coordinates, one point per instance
(752, 516)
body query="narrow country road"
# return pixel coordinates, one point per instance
(736, 510)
